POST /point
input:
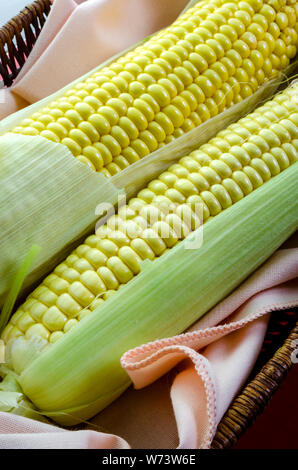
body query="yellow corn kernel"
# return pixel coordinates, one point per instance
(68, 305)
(38, 330)
(56, 336)
(93, 282)
(54, 319)
(70, 324)
(81, 294)
(24, 322)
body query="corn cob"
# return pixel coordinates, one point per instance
(213, 56)
(83, 371)
(217, 175)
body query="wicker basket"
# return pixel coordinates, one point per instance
(275, 359)
(272, 367)
(18, 37)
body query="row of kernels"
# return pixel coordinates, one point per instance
(49, 327)
(50, 323)
(253, 147)
(97, 162)
(196, 118)
(204, 112)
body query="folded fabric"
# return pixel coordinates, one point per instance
(215, 358)
(78, 36)
(17, 432)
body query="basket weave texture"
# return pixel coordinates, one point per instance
(18, 37)
(264, 381)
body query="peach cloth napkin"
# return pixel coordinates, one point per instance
(215, 358)
(79, 35)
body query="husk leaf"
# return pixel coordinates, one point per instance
(48, 199)
(83, 371)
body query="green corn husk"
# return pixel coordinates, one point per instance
(83, 371)
(16, 286)
(39, 205)
(14, 401)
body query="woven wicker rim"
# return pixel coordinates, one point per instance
(18, 37)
